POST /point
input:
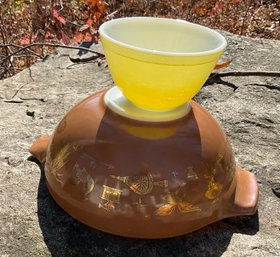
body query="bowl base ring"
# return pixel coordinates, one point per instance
(118, 103)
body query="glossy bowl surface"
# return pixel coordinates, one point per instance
(144, 179)
(158, 63)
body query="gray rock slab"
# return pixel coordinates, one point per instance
(33, 102)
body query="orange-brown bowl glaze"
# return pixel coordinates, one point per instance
(145, 179)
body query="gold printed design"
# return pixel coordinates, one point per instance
(94, 162)
(173, 202)
(141, 184)
(139, 205)
(59, 161)
(219, 159)
(231, 169)
(81, 176)
(175, 173)
(109, 197)
(214, 187)
(191, 174)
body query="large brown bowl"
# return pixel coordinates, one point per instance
(144, 179)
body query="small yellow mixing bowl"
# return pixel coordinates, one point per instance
(159, 63)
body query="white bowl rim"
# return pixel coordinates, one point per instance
(221, 47)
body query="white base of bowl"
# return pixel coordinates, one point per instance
(118, 103)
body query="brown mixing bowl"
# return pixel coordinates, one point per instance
(144, 179)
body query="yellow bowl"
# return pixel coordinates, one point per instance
(158, 63)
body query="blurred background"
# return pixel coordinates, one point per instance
(30, 29)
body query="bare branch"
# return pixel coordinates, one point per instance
(50, 45)
(61, 6)
(18, 46)
(28, 56)
(7, 49)
(112, 14)
(245, 73)
(245, 17)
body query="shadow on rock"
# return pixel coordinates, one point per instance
(65, 236)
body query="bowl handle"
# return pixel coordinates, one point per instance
(246, 193)
(39, 148)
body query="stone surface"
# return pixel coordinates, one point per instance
(31, 224)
